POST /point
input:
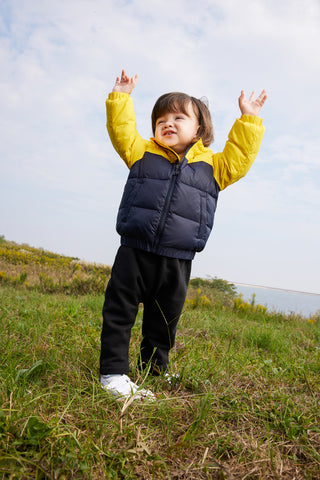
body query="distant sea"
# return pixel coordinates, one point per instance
(285, 301)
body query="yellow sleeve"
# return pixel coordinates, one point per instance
(240, 151)
(122, 129)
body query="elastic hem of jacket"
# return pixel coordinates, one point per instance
(163, 251)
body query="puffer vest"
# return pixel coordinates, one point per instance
(168, 208)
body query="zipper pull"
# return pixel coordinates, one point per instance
(176, 169)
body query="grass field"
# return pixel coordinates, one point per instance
(246, 405)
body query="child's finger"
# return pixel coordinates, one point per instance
(124, 77)
(262, 97)
(264, 94)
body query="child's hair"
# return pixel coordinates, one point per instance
(177, 102)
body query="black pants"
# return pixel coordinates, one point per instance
(160, 283)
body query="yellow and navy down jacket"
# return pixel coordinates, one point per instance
(169, 202)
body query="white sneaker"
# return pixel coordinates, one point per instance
(121, 386)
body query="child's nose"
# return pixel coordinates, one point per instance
(169, 122)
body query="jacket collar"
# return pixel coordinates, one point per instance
(193, 150)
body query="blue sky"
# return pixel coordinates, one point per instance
(61, 181)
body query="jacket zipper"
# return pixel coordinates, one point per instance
(173, 181)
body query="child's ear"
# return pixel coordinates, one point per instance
(197, 135)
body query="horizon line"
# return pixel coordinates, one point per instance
(274, 288)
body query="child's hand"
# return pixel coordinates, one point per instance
(125, 84)
(251, 106)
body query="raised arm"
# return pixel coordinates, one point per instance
(121, 121)
(125, 84)
(240, 150)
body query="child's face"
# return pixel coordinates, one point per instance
(177, 130)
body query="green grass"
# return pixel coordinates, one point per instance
(246, 406)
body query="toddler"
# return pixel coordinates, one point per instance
(166, 215)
